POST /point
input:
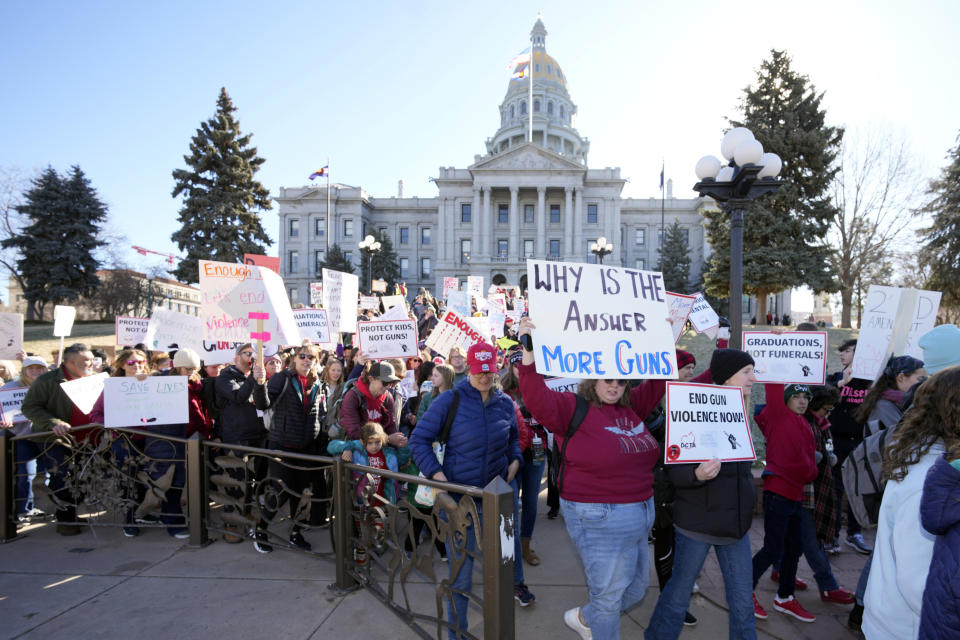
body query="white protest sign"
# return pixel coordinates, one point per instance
(10, 402)
(168, 327)
(11, 335)
(83, 392)
(893, 321)
(379, 339)
(313, 325)
(340, 292)
(450, 283)
(316, 293)
(459, 301)
(63, 318)
(156, 400)
(680, 306)
(396, 313)
(219, 352)
(389, 302)
(704, 318)
(233, 295)
(706, 421)
(475, 286)
(497, 303)
(379, 286)
(131, 331)
(792, 357)
(563, 384)
(496, 321)
(515, 315)
(370, 302)
(597, 321)
(453, 330)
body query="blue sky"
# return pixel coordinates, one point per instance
(393, 91)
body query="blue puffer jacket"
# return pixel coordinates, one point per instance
(940, 515)
(483, 437)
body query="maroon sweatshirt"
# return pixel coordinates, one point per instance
(791, 460)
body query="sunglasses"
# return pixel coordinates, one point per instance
(133, 362)
(247, 354)
(306, 356)
(621, 383)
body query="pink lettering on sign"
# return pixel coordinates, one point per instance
(258, 315)
(263, 335)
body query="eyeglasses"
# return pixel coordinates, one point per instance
(248, 354)
(306, 356)
(618, 382)
(134, 362)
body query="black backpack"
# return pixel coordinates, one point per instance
(557, 456)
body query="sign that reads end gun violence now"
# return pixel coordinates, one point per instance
(791, 357)
(595, 321)
(381, 339)
(453, 330)
(706, 421)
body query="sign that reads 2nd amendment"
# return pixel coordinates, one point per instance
(706, 421)
(379, 339)
(791, 357)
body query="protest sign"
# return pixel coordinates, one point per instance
(704, 318)
(515, 315)
(83, 392)
(680, 306)
(63, 318)
(450, 283)
(316, 293)
(496, 321)
(167, 328)
(389, 302)
(459, 301)
(396, 313)
(597, 321)
(455, 330)
(497, 303)
(893, 321)
(156, 400)
(269, 262)
(791, 357)
(563, 384)
(379, 286)
(10, 403)
(340, 291)
(131, 331)
(379, 339)
(706, 421)
(313, 325)
(11, 335)
(475, 286)
(370, 302)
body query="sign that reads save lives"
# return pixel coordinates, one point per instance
(379, 339)
(706, 421)
(596, 321)
(156, 400)
(791, 357)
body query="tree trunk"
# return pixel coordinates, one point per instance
(762, 307)
(846, 304)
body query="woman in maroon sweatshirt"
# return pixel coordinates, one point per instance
(606, 491)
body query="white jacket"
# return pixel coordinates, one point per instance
(901, 558)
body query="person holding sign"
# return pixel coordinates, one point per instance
(882, 408)
(606, 489)
(26, 450)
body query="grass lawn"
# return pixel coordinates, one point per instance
(38, 337)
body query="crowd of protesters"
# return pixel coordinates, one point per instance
(614, 499)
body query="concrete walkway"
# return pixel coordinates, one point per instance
(102, 585)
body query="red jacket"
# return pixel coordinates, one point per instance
(791, 460)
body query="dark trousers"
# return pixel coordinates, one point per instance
(286, 480)
(54, 459)
(781, 540)
(243, 494)
(843, 447)
(663, 542)
(165, 454)
(553, 493)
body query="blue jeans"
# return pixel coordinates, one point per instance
(864, 577)
(164, 454)
(612, 542)
(530, 476)
(814, 553)
(27, 466)
(781, 541)
(689, 554)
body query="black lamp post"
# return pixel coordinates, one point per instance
(369, 246)
(601, 248)
(750, 174)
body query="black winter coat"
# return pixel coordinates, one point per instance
(295, 424)
(720, 507)
(239, 422)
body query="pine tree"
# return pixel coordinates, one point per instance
(56, 247)
(674, 260)
(784, 233)
(219, 216)
(386, 265)
(942, 238)
(336, 260)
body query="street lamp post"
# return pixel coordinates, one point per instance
(369, 246)
(749, 174)
(601, 248)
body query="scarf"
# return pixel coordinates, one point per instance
(893, 395)
(373, 404)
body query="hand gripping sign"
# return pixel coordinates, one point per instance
(791, 357)
(706, 421)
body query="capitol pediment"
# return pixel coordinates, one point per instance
(529, 157)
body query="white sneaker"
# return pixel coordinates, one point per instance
(696, 588)
(572, 619)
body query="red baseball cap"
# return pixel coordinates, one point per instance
(482, 358)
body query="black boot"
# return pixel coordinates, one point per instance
(856, 618)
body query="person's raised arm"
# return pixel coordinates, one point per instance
(552, 409)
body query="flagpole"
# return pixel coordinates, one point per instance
(329, 228)
(530, 98)
(663, 230)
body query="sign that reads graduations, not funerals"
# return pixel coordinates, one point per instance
(313, 325)
(706, 421)
(595, 321)
(379, 339)
(791, 357)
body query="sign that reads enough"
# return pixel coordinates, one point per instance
(792, 357)
(454, 330)
(706, 421)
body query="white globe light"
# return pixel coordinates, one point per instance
(748, 152)
(707, 167)
(771, 165)
(725, 175)
(601, 241)
(733, 139)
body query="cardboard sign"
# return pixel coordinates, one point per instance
(680, 306)
(10, 402)
(316, 293)
(379, 339)
(598, 321)
(792, 357)
(11, 335)
(475, 286)
(704, 318)
(156, 400)
(230, 292)
(459, 301)
(268, 262)
(389, 302)
(496, 321)
(313, 325)
(83, 392)
(497, 303)
(379, 286)
(370, 302)
(454, 330)
(450, 283)
(893, 321)
(396, 313)
(215, 352)
(340, 291)
(706, 421)
(515, 315)
(131, 331)
(168, 327)
(563, 384)
(63, 318)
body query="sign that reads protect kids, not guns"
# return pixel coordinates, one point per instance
(453, 330)
(379, 339)
(791, 357)
(596, 321)
(706, 421)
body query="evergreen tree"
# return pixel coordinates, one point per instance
(336, 260)
(784, 233)
(674, 260)
(942, 238)
(219, 218)
(386, 265)
(56, 246)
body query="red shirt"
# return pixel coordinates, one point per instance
(378, 461)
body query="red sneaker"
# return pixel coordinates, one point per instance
(758, 611)
(792, 608)
(837, 596)
(798, 585)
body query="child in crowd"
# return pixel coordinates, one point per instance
(372, 451)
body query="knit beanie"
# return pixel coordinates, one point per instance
(941, 347)
(902, 364)
(186, 358)
(726, 362)
(684, 358)
(794, 389)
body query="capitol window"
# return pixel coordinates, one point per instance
(425, 235)
(640, 263)
(404, 235)
(319, 257)
(347, 228)
(640, 236)
(466, 212)
(550, 107)
(528, 214)
(549, 70)
(562, 114)
(528, 248)
(523, 107)
(294, 228)
(554, 214)
(511, 112)
(592, 214)
(503, 213)
(554, 248)
(404, 267)
(293, 262)
(502, 248)
(536, 106)
(536, 67)
(320, 227)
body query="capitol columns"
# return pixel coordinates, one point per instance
(476, 216)
(514, 224)
(579, 248)
(568, 222)
(441, 231)
(541, 223)
(484, 250)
